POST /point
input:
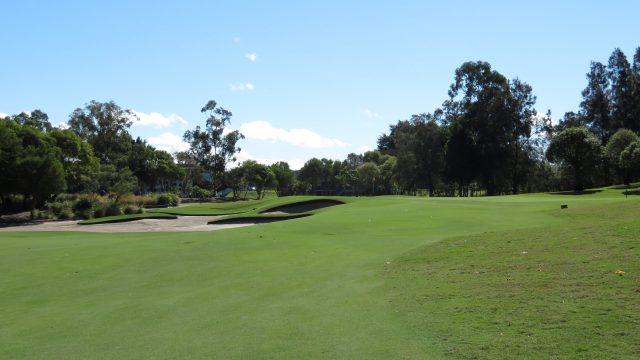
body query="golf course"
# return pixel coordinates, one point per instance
(387, 277)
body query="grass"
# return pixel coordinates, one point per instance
(124, 218)
(257, 218)
(386, 277)
(231, 207)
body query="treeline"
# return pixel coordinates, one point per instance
(488, 139)
(95, 154)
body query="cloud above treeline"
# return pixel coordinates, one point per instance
(157, 120)
(263, 130)
(242, 86)
(168, 142)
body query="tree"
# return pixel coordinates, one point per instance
(80, 164)
(621, 91)
(258, 175)
(211, 147)
(635, 90)
(578, 151)
(37, 120)
(615, 146)
(30, 164)
(570, 119)
(630, 158)
(106, 127)
(368, 175)
(283, 177)
(595, 104)
(495, 115)
(311, 173)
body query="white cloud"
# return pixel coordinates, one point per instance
(365, 148)
(236, 39)
(157, 120)
(371, 114)
(242, 87)
(3, 115)
(169, 142)
(251, 56)
(294, 164)
(62, 125)
(262, 130)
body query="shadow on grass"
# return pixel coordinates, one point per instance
(583, 192)
(632, 192)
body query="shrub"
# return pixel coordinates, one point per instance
(65, 214)
(130, 209)
(112, 210)
(82, 208)
(99, 212)
(168, 199)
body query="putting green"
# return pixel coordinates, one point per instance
(330, 285)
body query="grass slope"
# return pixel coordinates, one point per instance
(230, 207)
(125, 218)
(564, 291)
(338, 284)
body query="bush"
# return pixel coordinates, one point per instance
(65, 214)
(112, 210)
(130, 209)
(168, 199)
(99, 212)
(83, 208)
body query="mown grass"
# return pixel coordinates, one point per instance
(387, 277)
(231, 207)
(125, 218)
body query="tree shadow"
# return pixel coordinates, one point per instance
(583, 192)
(632, 192)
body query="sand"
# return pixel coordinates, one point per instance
(182, 223)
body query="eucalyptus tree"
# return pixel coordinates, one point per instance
(106, 127)
(212, 147)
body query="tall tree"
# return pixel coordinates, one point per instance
(37, 119)
(496, 115)
(80, 164)
(30, 164)
(635, 90)
(106, 127)
(283, 177)
(595, 104)
(621, 91)
(578, 151)
(211, 147)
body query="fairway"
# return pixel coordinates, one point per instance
(380, 277)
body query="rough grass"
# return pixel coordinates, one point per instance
(387, 277)
(566, 291)
(125, 218)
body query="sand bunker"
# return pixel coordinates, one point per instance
(182, 223)
(302, 206)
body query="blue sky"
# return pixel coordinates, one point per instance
(302, 79)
